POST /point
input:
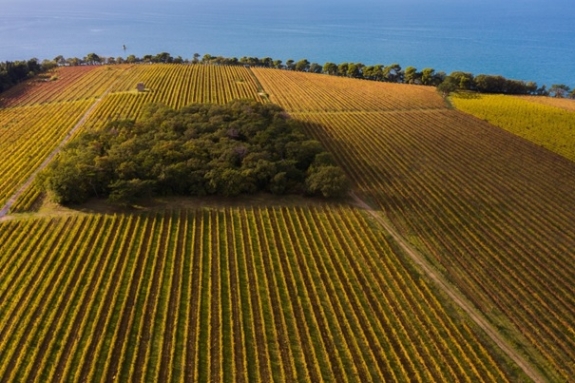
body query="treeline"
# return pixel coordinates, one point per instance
(483, 83)
(203, 149)
(446, 83)
(14, 72)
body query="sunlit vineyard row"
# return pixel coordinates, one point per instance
(492, 211)
(234, 295)
(28, 135)
(308, 92)
(541, 123)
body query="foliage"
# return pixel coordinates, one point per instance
(329, 181)
(242, 147)
(448, 86)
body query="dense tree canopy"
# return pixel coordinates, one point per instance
(242, 147)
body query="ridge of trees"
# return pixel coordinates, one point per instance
(202, 149)
(457, 80)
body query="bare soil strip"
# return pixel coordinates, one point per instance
(456, 296)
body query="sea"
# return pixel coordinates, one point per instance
(531, 40)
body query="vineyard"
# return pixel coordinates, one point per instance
(296, 292)
(235, 295)
(307, 92)
(488, 209)
(548, 123)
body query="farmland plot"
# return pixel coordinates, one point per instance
(235, 295)
(492, 211)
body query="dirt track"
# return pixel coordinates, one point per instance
(455, 295)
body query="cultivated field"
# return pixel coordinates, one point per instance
(292, 293)
(542, 120)
(493, 211)
(234, 295)
(305, 92)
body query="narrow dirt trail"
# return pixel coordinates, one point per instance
(455, 295)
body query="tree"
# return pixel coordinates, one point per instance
(464, 80)
(73, 61)
(329, 181)
(290, 64)
(411, 76)
(559, 90)
(163, 57)
(374, 72)
(448, 86)
(490, 84)
(542, 91)
(92, 59)
(48, 65)
(342, 69)
(302, 65)
(60, 60)
(428, 76)
(315, 68)
(268, 62)
(393, 73)
(330, 68)
(207, 58)
(354, 70)
(226, 181)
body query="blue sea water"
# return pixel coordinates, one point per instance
(527, 39)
